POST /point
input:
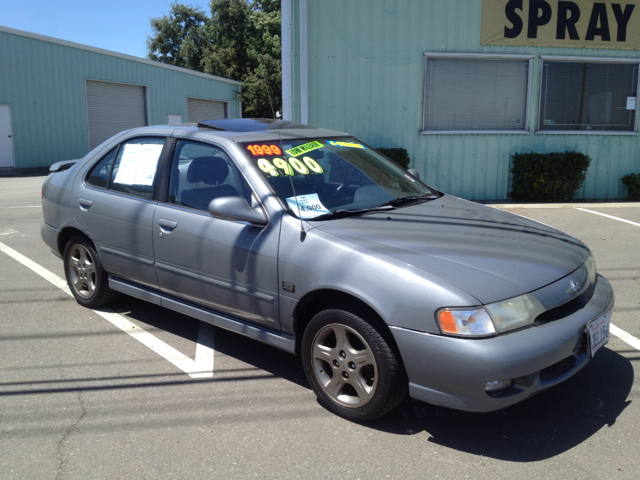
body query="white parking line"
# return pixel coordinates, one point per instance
(23, 206)
(625, 337)
(609, 216)
(201, 367)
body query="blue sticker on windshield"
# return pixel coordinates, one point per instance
(346, 144)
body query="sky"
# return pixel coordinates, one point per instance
(118, 25)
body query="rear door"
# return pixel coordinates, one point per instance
(116, 206)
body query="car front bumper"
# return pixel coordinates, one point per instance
(453, 372)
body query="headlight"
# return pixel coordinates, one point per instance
(494, 318)
(515, 312)
(590, 263)
(471, 322)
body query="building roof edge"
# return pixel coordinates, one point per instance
(66, 43)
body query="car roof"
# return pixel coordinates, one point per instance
(251, 129)
(251, 124)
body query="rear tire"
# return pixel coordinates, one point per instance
(351, 367)
(87, 279)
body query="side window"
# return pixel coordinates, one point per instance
(200, 173)
(135, 166)
(588, 96)
(481, 93)
(99, 175)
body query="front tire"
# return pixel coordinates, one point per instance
(86, 278)
(351, 367)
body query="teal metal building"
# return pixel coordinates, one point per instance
(60, 99)
(465, 84)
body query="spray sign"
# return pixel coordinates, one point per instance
(559, 23)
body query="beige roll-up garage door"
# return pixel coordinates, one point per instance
(113, 107)
(204, 110)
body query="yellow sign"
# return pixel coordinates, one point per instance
(558, 23)
(307, 147)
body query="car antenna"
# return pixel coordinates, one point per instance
(303, 233)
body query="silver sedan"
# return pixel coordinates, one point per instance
(313, 242)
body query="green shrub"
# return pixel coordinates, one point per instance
(398, 155)
(632, 181)
(547, 177)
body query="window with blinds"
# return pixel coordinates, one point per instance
(588, 96)
(475, 93)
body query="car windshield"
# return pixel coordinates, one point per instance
(330, 178)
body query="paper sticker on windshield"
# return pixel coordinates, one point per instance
(307, 147)
(310, 205)
(138, 164)
(346, 144)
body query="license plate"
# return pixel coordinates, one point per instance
(598, 333)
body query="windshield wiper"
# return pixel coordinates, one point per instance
(351, 212)
(400, 201)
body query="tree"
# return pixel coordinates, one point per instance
(256, 100)
(179, 38)
(240, 40)
(265, 57)
(229, 29)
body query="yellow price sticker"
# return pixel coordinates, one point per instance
(278, 166)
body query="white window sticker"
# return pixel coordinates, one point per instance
(310, 206)
(138, 164)
(631, 103)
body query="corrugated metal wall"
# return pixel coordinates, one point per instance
(44, 83)
(366, 74)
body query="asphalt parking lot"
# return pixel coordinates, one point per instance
(142, 392)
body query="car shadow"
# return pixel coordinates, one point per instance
(156, 317)
(541, 427)
(264, 357)
(259, 355)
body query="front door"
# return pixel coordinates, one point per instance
(6, 137)
(225, 266)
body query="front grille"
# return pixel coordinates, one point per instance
(569, 308)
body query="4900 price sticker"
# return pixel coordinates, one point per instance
(279, 166)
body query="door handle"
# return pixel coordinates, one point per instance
(167, 225)
(85, 204)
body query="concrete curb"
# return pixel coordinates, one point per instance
(24, 172)
(510, 206)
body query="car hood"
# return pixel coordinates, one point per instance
(488, 253)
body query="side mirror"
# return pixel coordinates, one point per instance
(237, 209)
(414, 172)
